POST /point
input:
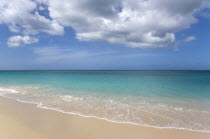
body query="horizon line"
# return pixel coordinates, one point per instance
(112, 70)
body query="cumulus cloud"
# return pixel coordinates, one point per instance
(134, 23)
(23, 16)
(190, 38)
(17, 41)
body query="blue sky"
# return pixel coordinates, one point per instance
(43, 38)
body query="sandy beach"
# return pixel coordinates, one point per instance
(23, 121)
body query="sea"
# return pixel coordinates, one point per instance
(161, 99)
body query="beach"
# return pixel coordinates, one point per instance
(104, 69)
(104, 104)
(22, 121)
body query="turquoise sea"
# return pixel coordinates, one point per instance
(164, 99)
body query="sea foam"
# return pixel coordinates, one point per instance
(133, 110)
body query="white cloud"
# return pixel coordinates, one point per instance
(190, 38)
(134, 23)
(23, 16)
(17, 41)
(55, 54)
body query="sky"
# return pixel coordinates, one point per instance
(104, 35)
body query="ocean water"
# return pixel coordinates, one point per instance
(164, 99)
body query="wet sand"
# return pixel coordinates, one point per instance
(23, 121)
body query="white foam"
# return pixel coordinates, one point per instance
(69, 98)
(40, 105)
(9, 90)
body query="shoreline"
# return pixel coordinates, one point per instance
(99, 118)
(46, 124)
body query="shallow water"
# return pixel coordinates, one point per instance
(167, 99)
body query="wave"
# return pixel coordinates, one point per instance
(139, 111)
